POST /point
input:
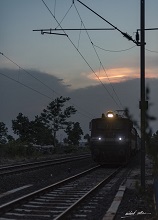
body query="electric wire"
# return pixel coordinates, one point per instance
(64, 16)
(152, 51)
(114, 51)
(79, 36)
(126, 35)
(55, 7)
(26, 86)
(79, 52)
(87, 113)
(30, 74)
(40, 93)
(120, 104)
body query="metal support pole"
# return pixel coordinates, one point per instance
(142, 84)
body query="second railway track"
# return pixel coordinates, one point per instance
(16, 168)
(63, 199)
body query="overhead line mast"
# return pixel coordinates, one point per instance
(143, 103)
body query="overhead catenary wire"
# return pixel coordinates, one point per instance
(152, 51)
(123, 33)
(120, 104)
(126, 35)
(78, 51)
(55, 7)
(114, 51)
(79, 36)
(64, 16)
(86, 29)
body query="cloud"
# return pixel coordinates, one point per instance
(96, 100)
(115, 75)
(119, 75)
(21, 92)
(90, 101)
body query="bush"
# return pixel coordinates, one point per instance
(152, 151)
(17, 149)
(70, 149)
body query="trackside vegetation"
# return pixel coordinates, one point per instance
(39, 136)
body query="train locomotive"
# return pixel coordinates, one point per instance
(113, 139)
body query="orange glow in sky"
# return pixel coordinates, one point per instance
(118, 75)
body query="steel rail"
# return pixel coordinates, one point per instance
(72, 207)
(36, 165)
(14, 203)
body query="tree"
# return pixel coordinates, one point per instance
(3, 133)
(74, 133)
(149, 118)
(34, 132)
(40, 134)
(56, 115)
(87, 137)
(129, 116)
(155, 136)
(21, 127)
(152, 150)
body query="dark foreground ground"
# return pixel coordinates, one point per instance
(136, 203)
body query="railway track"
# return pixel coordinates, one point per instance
(13, 169)
(72, 198)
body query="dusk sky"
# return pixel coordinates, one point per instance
(98, 70)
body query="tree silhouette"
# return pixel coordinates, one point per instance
(56, 115)
(3, 133)
(21, 127)
(74, 133)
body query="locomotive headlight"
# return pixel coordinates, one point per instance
(120, 138)
(110, 114)
(99, 138)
